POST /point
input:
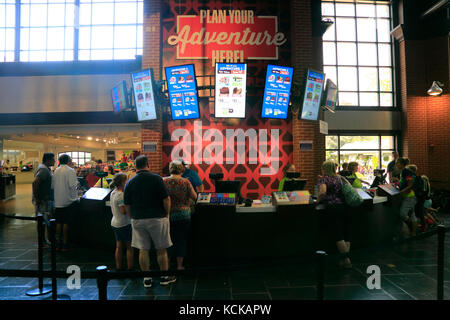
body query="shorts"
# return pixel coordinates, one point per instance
(146, 231)
(407, 209)
(64, 215)
(123, 233)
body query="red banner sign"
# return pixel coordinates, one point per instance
(227, 36)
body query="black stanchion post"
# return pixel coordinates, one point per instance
(55, 295)
(440, 271)
(102, 282)
(53, 257)
(320, 256)
(41, 289)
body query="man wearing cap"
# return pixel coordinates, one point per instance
(193, 177)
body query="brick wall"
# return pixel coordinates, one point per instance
(306, 52)
(151, 131)
(425, 127)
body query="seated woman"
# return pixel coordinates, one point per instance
(288, 168)
(110, 175)
(181, 192)
(336, 219)
(355, 175)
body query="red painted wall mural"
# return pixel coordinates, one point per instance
(252, 150)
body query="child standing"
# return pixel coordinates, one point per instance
(121, 222)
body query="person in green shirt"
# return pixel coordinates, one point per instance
(353, 168)
(288, 168)
(110, 175)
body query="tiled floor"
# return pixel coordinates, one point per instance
(408, 272)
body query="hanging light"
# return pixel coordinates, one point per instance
(435, 89)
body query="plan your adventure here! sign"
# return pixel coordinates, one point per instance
(227, 36)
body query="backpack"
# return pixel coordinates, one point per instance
(419, 187)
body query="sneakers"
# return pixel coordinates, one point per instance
(148, 282)
(165, 280)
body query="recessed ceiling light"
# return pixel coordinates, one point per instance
(78, 137)
(89, 138)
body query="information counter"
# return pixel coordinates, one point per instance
(227, 232)
(7, 186)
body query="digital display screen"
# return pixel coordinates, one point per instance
(230, 90)
(331, 94)
(313, 95)
(277, 92)
(182, 92)
(119, 96)
(143, 95)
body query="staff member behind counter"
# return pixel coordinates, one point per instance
(288, 168)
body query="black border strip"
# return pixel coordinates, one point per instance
(51, 118)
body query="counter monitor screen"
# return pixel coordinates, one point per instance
(330, 96)
(144, 95)
(230, 186)
(294, 184)
(277, 92)
(313, 95)
(230, 90)
(119, 96)
(182, 92)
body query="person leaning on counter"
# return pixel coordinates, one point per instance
(288, 168)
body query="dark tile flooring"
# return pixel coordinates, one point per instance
(408, 272)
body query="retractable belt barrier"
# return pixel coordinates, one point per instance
(103, 275)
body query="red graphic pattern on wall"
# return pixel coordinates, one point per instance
(180, 137)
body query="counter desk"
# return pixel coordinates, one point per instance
(7, 186)
(229, 233)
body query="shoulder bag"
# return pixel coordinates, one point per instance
(351, 196)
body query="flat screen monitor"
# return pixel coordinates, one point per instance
(183, 95)
(119, 96)
(313, 95)
(230, 186)
(330, 96)
(294, 184)
(144, 95)
(97, 193)
(230, 90)
(277, 92)
(292, 175)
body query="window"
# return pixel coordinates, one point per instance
(110, 29)
(67, 30)
(47, 30)
(371, 152)
(78, 157)
(7, 30)
(357, 52)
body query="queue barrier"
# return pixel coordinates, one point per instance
(41, 289)
(103, 275)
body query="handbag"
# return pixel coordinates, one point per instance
(351, 196)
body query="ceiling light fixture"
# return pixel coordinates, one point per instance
(435, 89)
(89, 138)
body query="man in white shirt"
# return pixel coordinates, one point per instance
(65, 184)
